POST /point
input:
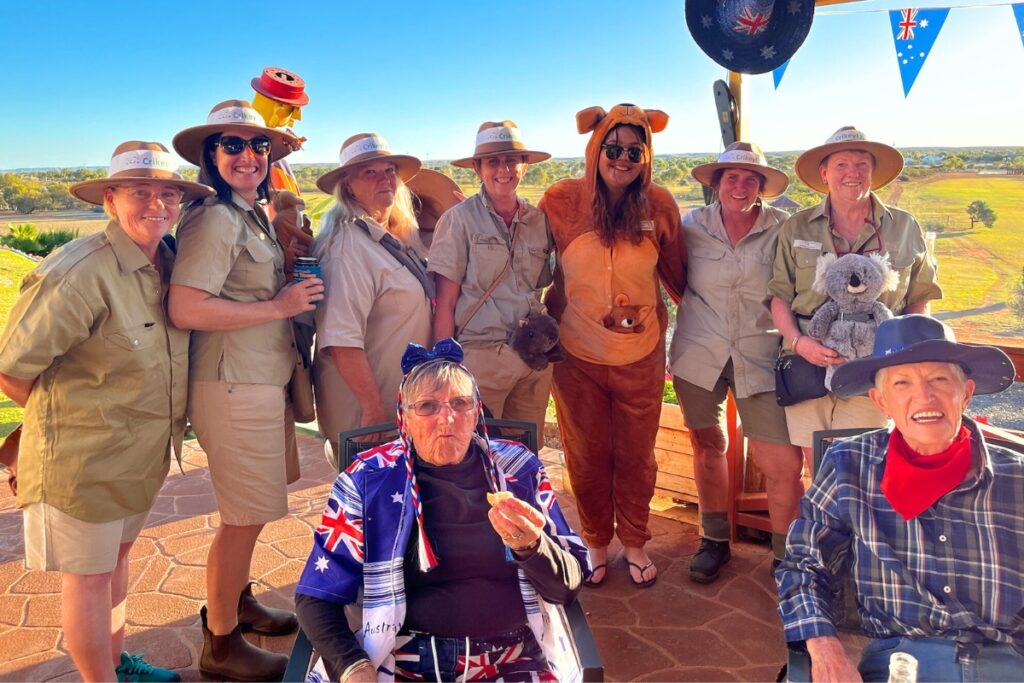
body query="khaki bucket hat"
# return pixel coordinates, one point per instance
(435, 191)
(135, 161)
(745, 155)
(888, 160)
(361, 148)
(500, 137)
(232, 114)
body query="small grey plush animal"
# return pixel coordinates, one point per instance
(847, 323)
(535, 339)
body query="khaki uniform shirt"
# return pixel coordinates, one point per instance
(722, 314)
(470, 247)
(111, 378)
(808, 234)
(372, 302)
(231, 251)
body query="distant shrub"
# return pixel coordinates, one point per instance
(55, 238)
(1016, 302)
(934, 226)
(26, 238)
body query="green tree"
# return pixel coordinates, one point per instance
(1016, 302)
(981, 212)
(953, 163)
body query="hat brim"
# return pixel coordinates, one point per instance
(775, 181)
(300, 101)
(91, 191)
(888, 163)
(989, 367)
(189, 142)
(435, 190)
(407, 168)
(532, 157)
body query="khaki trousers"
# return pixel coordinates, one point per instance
(508, 387)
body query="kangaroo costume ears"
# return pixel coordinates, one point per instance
(587, 119)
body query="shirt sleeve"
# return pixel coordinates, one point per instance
(350, 292)
(783, 282)
(672, 256)
(207, 248)
(449, 252)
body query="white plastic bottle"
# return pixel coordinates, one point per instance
(902, 668)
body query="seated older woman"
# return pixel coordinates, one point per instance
(453, 539)
(926, 517)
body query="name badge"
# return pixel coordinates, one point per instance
(807, 244)
(647, 226)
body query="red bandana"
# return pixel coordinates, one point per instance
(913, 482)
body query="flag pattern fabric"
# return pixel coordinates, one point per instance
(914, 34)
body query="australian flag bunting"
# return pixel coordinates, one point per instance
(914, 32)
(778, 72)
(1018, 12)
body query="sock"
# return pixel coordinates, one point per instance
(716, 526)
(779, 546)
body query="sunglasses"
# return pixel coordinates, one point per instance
(234, 145)
(613, 152)
(458, 404)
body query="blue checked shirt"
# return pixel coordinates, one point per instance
(955, 571)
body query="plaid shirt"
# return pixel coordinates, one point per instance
(955, 571)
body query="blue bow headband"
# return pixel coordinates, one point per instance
(415, 355)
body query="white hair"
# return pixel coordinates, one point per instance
(401, 222)
(958, 372)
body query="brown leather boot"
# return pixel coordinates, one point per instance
(270, 621)
(236, 659)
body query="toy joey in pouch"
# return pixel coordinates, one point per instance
(625, 317)
(847, 322)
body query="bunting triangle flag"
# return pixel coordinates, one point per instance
(914, 32)
(1018, 11)
(778, 73)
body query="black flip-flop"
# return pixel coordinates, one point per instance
(597, 584)
(641, 584)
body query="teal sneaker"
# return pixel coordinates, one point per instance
(135, 668)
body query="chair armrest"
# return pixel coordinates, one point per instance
(798, 663)
(586, 648)
(298, 660)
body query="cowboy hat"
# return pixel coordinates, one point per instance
(888, 160)
(281, 86)
(435, 191)
(500, 137)
(135, 161)
(749, 36)
(748, 156)
(231, 114)
(917, 338)
(359, 149)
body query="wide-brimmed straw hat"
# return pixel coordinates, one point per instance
(922, 339)
(282, 86)
(435, 191)
(748, 156)
(888, 160)
(500, 137)
(135, 161)
(232, 114)
(361, 148)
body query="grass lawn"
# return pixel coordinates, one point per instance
(13, 267)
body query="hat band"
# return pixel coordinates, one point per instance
(363, 146)
(503, 134)
(143, 159)
(742, 157)
(852, 136)
(241, 115)
(280, 89)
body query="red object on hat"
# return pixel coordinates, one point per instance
(281, 85)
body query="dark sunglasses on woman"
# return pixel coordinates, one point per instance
(613, 152)
(233, 145)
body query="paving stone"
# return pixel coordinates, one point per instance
(12, 609)
(179, 526)
(696, 673)
(43, 610)
(201, 538)
(765, 672)
(752, 597)
(604, 610)
(692, 646)
(285, 575)
(42, 666)
(35, 583)
(755, 640)
(199, 504)
(625, 655)
(296, 548)
(152, 575)
(284, 528)
(160, 646)
(666, 605)
(142, 547)
(28, 641)
(10, 573)
(157, 609)
(188, 582)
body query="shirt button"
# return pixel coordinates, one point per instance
(262, 236)
(135, 342)
(942, 538)
(947, 590)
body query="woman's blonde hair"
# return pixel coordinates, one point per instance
(401, 223)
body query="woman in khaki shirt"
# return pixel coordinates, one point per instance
(89, 352)
(229, 287)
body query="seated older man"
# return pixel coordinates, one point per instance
(928, 518)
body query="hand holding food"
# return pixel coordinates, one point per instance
(519, 525)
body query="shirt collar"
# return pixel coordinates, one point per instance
(520, 202)
(879, 211)
(128, 254)
(717, 226)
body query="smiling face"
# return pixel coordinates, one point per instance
(618, 174)
(925, 400)
(146, 211)
(848, 174)
(500, 175)
(373, 185)
(243, 172)
(739, 189)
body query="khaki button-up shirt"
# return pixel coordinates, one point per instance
(471, 245)
(231, 251)
(808, 234)
(722, 314)
(111, 377)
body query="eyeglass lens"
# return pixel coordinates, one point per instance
(613, 152)
(460, 404)
(232, 144)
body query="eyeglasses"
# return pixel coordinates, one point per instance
(509, 162)
(613, 152)
(234, 145)
(167, 195)
(429, 407)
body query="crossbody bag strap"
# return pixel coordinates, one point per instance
(410, 261)
(490, 290)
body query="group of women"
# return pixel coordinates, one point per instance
(97, 351)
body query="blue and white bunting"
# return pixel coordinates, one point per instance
(778, 73)
(914, 33)
(1018, 12)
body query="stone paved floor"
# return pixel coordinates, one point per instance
(675, 631)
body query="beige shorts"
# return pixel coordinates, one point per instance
(509, 387)
(763, 418)
(56, 541)
(247, 439)
(831, 412)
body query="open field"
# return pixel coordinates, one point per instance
(13, 267)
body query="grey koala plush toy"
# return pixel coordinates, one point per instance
(847, 323)
(535, 339)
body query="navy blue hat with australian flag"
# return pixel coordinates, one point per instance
(749, 36)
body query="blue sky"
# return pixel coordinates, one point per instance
(84, 76)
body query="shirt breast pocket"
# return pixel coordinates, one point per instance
(539, 271)
(261, 270)
(131, 353)
(487, 257)
(903, 267)
(806, 265)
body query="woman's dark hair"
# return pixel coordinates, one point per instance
(209, 175)
(716, 178)
(622, 221)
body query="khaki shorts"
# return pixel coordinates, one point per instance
(831, 412)
(56, 541)
(509, 387)
(242, 428)
(763, 418)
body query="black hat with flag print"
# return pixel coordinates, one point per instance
(749, 36)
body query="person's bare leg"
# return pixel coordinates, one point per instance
(85, 618)
(118, 598)
(227, 573)
(781, 466)
(599, 563)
